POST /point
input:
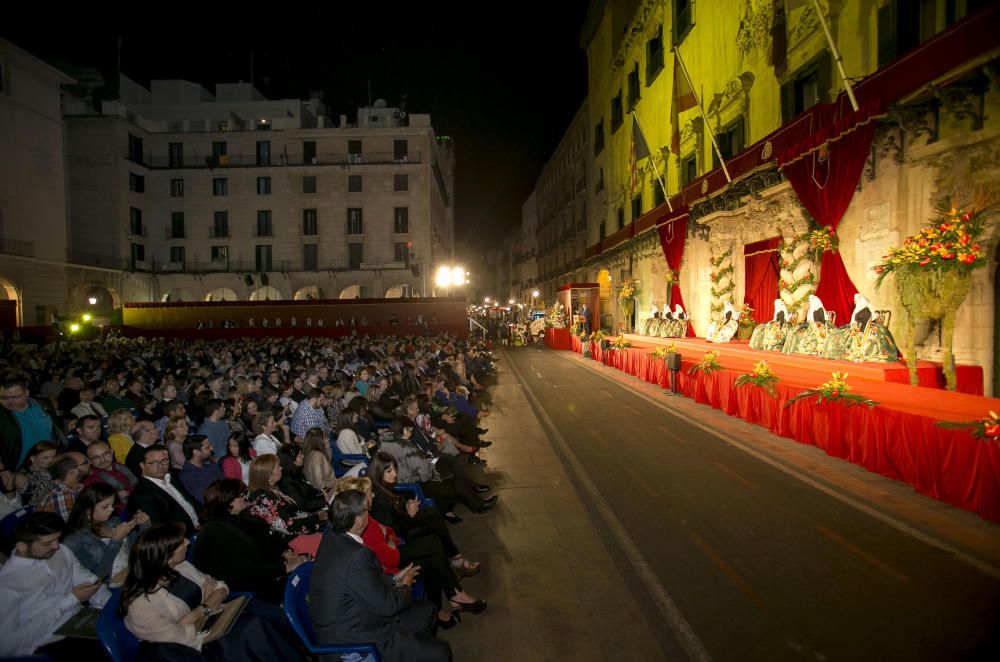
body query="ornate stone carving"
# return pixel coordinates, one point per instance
(807, 24)
(754, 32)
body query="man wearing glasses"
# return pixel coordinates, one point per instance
(158, 496)
(24, 422)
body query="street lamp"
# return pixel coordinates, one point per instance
(447, 277)
(92, 301)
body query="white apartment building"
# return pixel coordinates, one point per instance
(201, 197)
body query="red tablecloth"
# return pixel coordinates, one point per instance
(558, 339)
(948, 465)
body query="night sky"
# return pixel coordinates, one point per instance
(502, 79)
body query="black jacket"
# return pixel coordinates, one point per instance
(242, 551)
(160, 506)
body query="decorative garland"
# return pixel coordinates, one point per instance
(790, 263)
(716, 261)
(835, 390)
(707, 365)
(722, 273)
(761, 377)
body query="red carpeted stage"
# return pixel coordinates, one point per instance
(899, 438)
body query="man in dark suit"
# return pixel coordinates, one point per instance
(155, 495)
(351, 601)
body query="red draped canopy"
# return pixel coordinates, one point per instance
(673, 231)
(761, 277)
(824, 170)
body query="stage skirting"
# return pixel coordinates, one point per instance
(897, 439)
(558, 338)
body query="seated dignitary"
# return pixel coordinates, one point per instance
(157, 495)
(352, 601)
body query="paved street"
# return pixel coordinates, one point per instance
(634, 525)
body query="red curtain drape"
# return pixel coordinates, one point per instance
(760, 263)
(824, 170)
(672, 236)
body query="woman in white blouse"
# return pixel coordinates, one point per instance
(265, 441)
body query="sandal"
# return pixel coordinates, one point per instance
(464, 568)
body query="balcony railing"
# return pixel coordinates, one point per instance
(17, 247)
(252, 161)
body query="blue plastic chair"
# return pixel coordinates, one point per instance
(296, 605)
(339, 468)
(120, 644)
(414, 488)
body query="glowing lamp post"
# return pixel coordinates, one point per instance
(448, 277)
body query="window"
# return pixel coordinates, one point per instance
(355, 255)
(689, 170)
(134, 148)
(658, 197)
(136, 183)
(220, 253)
(220, 186)
(731, 141)
(808, 88)
(309, 222)
(176, 188)
(218, 149)
(308, 184)
(308, 151)
(138, 254)
(616, 112)
(135, 222)
(400, 151)
(177, 225)
(310, 257)
(600, 180)
(401, 220)
(599, 137)
(264, 228)
(637, 206)
(262, 253)
(354, 221)
(354, 183)
(602, 231)
(633, 87)
(683, 19)
(402, 252)
(175, 155)
(400, 182)
(354, 151)
(220, 224)
(263, 186)
(654, 56)
(621, 218)
(177, 255)
(264, 153)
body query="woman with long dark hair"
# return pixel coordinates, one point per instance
(95, 535)
(240, 453)
(165, 602)
(411, 521)
(240, 549)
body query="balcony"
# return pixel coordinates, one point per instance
(218, 233)
(251, 161)
(17, 247)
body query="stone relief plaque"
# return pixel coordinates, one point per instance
(874, 239)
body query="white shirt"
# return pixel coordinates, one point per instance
(265, 444)
(42, 591)
(89, 409)
(176, 496)
(358, 538)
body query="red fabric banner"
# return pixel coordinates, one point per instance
(836, 289)
(672, 235)
(760, 264)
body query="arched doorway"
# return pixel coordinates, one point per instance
(400, 291)
(266, 293)
(98, 300)
(222, 294)
(178, 294)
(10, 305)
(353, 292)
(308, 292)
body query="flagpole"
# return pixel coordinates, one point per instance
(711, 134)
(663, 187)
(836, 56)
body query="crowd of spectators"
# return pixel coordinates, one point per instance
(260, 454)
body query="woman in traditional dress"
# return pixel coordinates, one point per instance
(725, 329)
(771, 335)
(811, 336)
(863, 338)
(679, 326)
(650, 322)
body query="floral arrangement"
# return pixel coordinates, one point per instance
(708, 364)
(948, 243)
(986, 428)
(620, 343)
(661, 353)
(746, 316)
(670, 278)
(822, 240)
(835, 390)
(555, 317)
(598, 336)
(761, 377)
(537, 326)
(626, 297)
